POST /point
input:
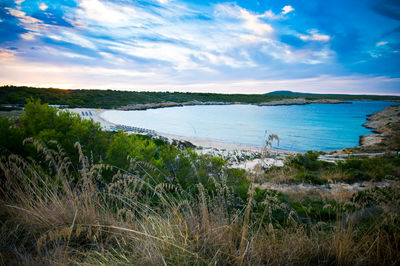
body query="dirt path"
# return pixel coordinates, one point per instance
(332, 188)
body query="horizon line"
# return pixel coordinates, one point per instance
(194, 91)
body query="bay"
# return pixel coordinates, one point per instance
(322, 127)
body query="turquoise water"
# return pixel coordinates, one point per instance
(321, 127)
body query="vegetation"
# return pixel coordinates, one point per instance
(306, 168)
(112, 98)
(74, 194)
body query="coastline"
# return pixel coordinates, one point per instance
(382, 123)
(95, 115)
(207, 144)
(296, 101)
(385, 137)
(385, 125)
(199, 142)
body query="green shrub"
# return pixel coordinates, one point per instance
(316, 210)
(309, 161)
(311, 178)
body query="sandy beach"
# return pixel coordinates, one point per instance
(96, 116)
(212, 144)
(247, 156)
(238, 155)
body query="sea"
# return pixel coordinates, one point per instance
(318, 127)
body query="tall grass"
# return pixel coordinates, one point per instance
(62, 215)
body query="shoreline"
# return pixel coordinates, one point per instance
(204, 144)
(375, 122)
(200, 143)
(384, 125)
(296, 101)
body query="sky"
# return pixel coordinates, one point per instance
(243, 46)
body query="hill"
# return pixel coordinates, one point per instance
(17, 95)
(286, 93)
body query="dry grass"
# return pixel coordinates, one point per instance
(47, 218)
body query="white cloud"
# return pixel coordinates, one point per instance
(179, 56)
(97, 11)
(36, 27)
(74, 38)
(112, 15)
(253, 23)
(19, 72)
(29, 36)
(382, 43)
(230, 37)
(248, 20)
(315, 36)
(43, 6)
(22, 17)
(287, 9)
(170, 40)
(6, 54)
(381, 49)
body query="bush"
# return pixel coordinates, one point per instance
(309, 161)
(308, 177)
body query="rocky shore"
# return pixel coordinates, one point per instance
(301, 101)
(386, 127)
(168, 104)
(297, 101)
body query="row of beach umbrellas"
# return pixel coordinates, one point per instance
(130, 128)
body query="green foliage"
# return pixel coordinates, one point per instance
(158, 161)
(375, 196)
(10, 137)
(371, 169)
(309, 161)
(50, 124)
(236, 178)
(112, 98)
(119, 149)
(316, 209)
(308, 169)
(309, 177)
(271, 206)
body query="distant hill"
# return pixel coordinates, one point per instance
(287, 93)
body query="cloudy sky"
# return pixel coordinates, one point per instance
(243, 46)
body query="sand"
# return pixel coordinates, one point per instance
(200, 142)
(238, 155)
(95, 117)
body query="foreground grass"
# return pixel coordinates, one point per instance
(48, 216)
(95, 204)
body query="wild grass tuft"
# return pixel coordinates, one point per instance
(60, 214)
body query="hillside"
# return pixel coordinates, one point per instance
(15, 95)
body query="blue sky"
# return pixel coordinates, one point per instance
(331, 46)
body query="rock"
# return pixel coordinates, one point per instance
(385, 124)
(301, 101)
